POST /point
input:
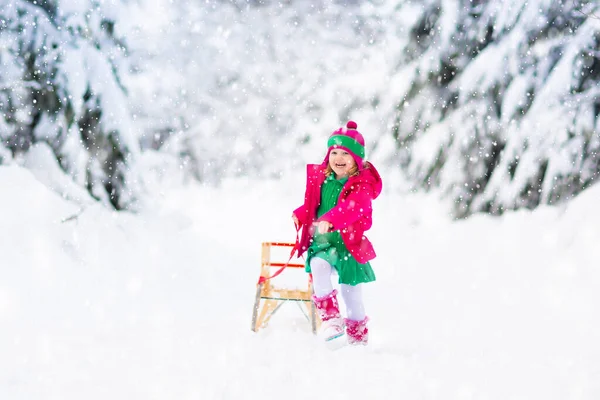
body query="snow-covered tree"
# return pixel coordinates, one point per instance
(502, 109)
(60, 67)
(493, 102)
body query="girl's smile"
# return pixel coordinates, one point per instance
(341, 162)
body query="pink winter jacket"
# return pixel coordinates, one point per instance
(352, 215)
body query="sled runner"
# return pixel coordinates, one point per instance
(270, 298)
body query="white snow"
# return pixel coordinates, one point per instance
(102, 305)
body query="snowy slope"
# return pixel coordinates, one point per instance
(158, 305)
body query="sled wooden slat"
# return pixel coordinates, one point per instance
(289, 294)
(278, 244)
(269, 298)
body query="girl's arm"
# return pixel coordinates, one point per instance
(353, 208)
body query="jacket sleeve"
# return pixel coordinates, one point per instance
(352, 208)
(301, 214)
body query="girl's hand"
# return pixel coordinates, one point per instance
(295, 220)
(323, 226)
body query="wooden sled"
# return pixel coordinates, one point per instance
(270, 298)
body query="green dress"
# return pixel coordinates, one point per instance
(330, 246)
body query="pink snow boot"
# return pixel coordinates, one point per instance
(357, 331)
(332, 325)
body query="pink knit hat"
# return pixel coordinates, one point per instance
(350, 140)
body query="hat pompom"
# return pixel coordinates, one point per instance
(351, 125)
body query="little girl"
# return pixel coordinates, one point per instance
(335, 214)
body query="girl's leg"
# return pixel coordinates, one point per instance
(356, 323)
(354, 303)
(321, 273)
(325, 300)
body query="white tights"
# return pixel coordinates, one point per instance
(352, 295)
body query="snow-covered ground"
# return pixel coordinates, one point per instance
(158, 305)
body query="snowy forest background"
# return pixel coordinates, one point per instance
(495, 104)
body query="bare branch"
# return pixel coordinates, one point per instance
(593, 13)
(73, 217)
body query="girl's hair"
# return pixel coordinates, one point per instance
(353, 171)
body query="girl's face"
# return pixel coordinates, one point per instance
(341, 162)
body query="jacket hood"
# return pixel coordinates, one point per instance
(370, 175)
